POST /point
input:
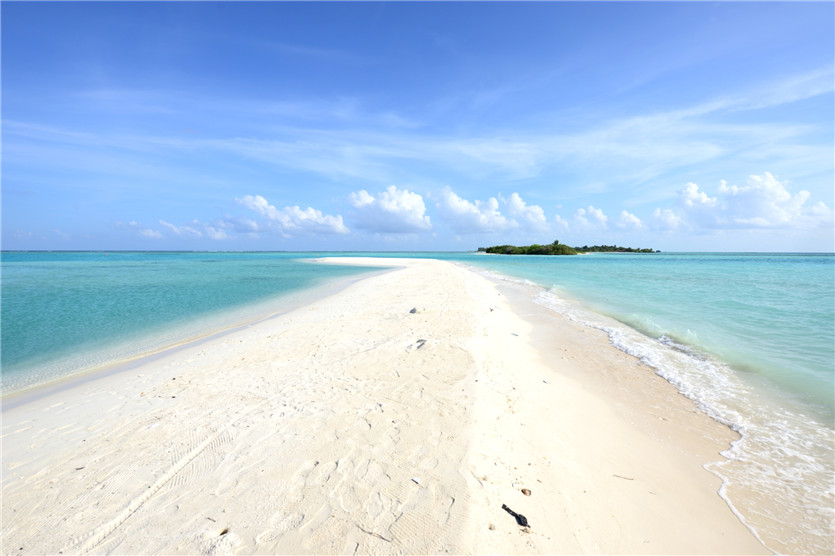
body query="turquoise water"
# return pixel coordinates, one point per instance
(750, 338)
(766, 315)
(67, 312)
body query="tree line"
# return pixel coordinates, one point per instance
(557, 248)
(612, 249)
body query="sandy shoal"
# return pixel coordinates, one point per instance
(356, 425)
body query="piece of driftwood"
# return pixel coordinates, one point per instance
(520, 519)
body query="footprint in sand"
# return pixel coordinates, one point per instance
(280, 523)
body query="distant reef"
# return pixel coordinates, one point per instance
(558, 248)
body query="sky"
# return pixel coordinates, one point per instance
(438, 126)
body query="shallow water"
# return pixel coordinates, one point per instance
(63, 313)
(751, 339)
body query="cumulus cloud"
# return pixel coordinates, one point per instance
(532, 216)
(470, 217)
(585, 219)
(393, 211)
(215, 233)
(629, 221)
(666, 219)
(691, 197)
(591, 217)
(290, 221)
(294, 221)
(763, 202)
(484, 216)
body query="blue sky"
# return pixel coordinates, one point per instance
(412, 126)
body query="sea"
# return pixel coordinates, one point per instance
(748, 337)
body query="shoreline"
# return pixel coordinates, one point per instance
(352, 423)
(227, 322)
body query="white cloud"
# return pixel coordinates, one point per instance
(245, 226)
(666, 219)
(260, 205)
(393, 211)
(183, 231)
(215, 233)
(361, 198)
(585, 220)
(763, 202)
(194, 230)
(691, 197)
(820, 211)
(141, 230)
(294, 221)
(597, 217)
(637, 147)
(470, 217)
(629, 221)
(150, 234)
(484, 216)
(533, 216)
(593, 219)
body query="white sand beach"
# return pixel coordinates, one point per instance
(396, 416)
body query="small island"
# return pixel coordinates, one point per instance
(558, 248)
(612, 249)
(555, 248)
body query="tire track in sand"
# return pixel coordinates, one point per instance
(99, 534)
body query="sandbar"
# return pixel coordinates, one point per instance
(398, 415)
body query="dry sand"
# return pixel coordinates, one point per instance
(355, 425)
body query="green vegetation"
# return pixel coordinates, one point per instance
(612, 249)
(558, 248)
(555, 248)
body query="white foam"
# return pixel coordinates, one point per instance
(777, 478)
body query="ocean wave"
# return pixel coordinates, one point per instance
(778, 477)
